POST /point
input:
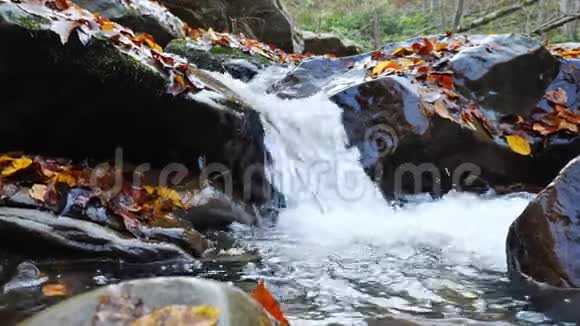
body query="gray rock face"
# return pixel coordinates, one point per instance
(139, 15)
(129, 301)
(264, 20)
(543, 243)
(327, 43)
(83, 237)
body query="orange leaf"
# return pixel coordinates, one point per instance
(54, 290)
(63, 4)
(267, 300)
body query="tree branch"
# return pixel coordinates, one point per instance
(555, 23)
(496, 15)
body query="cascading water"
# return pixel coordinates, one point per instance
(340, 253)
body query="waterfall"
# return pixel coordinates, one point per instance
(345, 246)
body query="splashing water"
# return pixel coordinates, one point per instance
(340, 253)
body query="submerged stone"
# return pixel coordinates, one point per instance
(127, 302)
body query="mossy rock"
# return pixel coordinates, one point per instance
(79, 102)
(222, 59)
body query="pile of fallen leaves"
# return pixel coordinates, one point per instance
(66, 18)
(98, 192)
(424, 62)
(210, 38)
(566, 52)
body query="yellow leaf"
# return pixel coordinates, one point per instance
(153, 45)
(16, 165)
(519, 145)
(384, 66)
(181, 315)
(38, 192)
(165, 193)
(108, 26)
(65, 178)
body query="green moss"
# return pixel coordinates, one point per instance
(108, 63)
(32, 22)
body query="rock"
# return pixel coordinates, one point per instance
(127, 302)
(410, 144)
(26, 275)
(264, 20)
(506, 73)
(221, 59)
(123, 97)
(82, 237)
(140, 15)
(327, 43)
(543, 243)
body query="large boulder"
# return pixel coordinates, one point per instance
(264, 20)
(328, 43)
(421, 124)
(104, 88)
(176, 300)
(543, 243)
(505, 73)
(140, 15)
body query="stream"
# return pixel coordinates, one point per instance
(339, 253)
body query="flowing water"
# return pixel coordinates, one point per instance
(339, 253)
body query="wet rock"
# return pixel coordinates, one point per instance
(264, 20)
(225, 60)
(127, 302)
(213, 210)
(408, 147)
(81, 237)
(26, 275)
(543, 242)
(506, 73)
(140, 15)
(327, 43)
(125, 104)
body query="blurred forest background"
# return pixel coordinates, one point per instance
(372, 23)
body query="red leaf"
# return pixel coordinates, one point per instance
(267, 300)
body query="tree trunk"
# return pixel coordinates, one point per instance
(458, 15)
(377, 35)
(496, 15)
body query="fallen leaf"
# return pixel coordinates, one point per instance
(54, 290)
(181, 315)
(16, 165)
(442, 111)
(38, 192)
(558, 96)
(519, 145)
(63, 4)
(165, 193)
(108, 26)
(267, 300)
(402, 52)
(383, 66)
